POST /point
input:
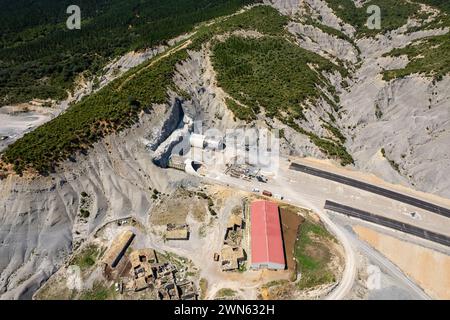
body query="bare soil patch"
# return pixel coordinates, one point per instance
(175, 208)
(290, 223)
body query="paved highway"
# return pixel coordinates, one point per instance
(373, 189)
(386, 222)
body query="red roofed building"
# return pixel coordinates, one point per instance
(266, 239)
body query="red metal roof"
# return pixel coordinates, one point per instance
(266, 238)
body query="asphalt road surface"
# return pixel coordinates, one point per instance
(374, 189)
(386, 222)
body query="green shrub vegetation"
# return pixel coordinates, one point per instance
(40, 57)
(99, 291)
(273, 73)
(331, 31)
(203, 284)
(332, 149)
(430, 57)
(393, 164)
(269, 73)
(394, 14)
(378, 112)
(226, 293)
(241, 112)
(84, 213)
(263, 19)
(313, 255)
(112, 109)
(442, 20)
(87, 257)
(443, 5)
(336, 132)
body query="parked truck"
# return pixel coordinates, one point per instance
(267, 193)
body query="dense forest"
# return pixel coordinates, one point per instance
(117, 106)
(269, 73)
(273, 73)
(40, 57)
(110, 110)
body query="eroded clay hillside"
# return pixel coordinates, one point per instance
(339, 101)
(397, 129)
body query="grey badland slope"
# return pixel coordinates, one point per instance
(403, 122)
